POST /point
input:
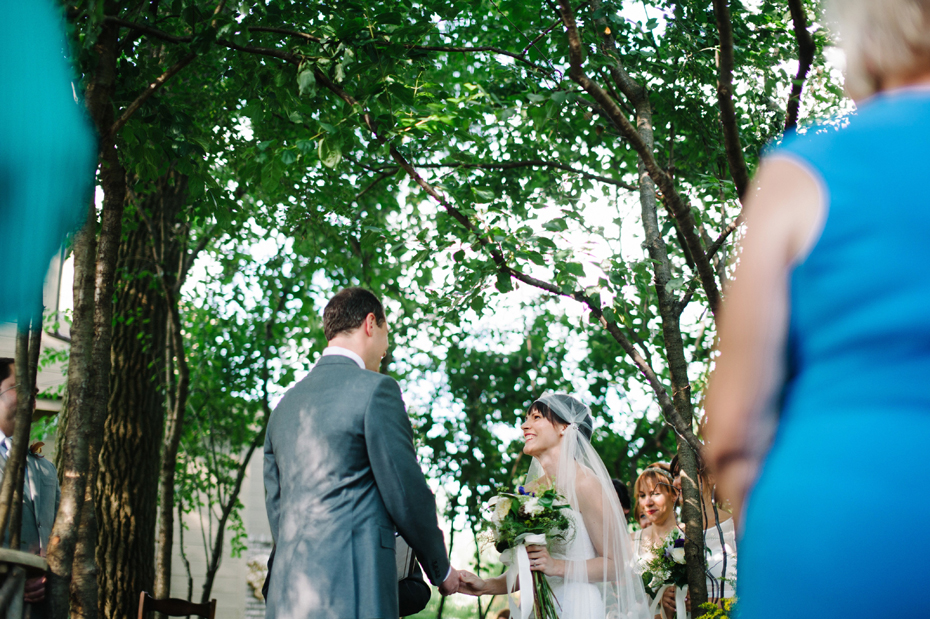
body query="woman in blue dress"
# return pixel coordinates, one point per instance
(825, 335)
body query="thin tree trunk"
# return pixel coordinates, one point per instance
(231, 500)
(174, 428)
(678, 369)
(28, 337)
(74, 458)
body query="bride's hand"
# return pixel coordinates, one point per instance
(542, 561)
(471, 584)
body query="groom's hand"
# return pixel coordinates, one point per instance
(451, 584)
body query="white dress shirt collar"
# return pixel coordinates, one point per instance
(344, 352)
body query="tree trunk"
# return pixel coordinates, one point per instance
(127, 486)
(90, 342)
(233, 498)
(678, 369)
(168, 251)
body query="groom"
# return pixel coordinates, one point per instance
(340, 474)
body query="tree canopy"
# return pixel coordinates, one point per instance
(546, 195)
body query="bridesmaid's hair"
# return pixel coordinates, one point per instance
(656, 474)
(545, 411)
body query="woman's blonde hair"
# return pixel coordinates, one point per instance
(881, 38)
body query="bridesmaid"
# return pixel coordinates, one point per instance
(655, 498)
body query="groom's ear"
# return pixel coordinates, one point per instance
(369, 324)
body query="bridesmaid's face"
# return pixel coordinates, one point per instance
(539, 434)
(658, 506)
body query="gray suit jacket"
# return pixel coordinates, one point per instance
(340, 473)
(41, 495)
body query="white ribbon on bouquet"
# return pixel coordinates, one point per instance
(681, 609)
(518, 565)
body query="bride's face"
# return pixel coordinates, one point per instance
(539, 434)
(658, 506)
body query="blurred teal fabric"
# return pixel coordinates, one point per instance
(47, 150)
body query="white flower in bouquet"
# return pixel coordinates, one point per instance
(531, 507)
(677, 555)
(499, 507)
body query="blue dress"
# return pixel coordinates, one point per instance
(837, 524)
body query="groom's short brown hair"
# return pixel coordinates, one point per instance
(348, 309)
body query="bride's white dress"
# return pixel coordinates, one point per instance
(576, 600)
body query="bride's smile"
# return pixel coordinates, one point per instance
(539, 434)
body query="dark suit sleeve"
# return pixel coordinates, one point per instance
(409, 501)
(272, 485)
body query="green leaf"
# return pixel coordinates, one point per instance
(306, 81)
(676, 283)
(504, 283)
(329, 152)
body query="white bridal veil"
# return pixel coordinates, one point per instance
(611, 572)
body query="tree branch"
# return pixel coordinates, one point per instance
(149, 91)
(188, 260)
(731, 141)
(153, 32)
(670, 197)
(293, 33)
(537, 163)
(715, 246)
(164, 36)
(665, 401)
(386, 174)
(806, 49)
(486, 48)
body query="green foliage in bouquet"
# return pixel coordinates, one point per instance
(668, 565)
(515, 516)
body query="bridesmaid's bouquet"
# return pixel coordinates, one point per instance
(667, 567)
(522, 519)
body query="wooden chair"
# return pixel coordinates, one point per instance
(174, 607)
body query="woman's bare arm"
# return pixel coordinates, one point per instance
(784, 214)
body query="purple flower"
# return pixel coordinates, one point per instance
(680, 542)
(521, 490)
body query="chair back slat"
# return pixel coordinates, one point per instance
(174, 607)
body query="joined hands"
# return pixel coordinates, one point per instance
(462, 581)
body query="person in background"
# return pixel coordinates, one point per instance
(655, 496)
(41, 493)
(641, 518)
(824, 333)
(623, 494)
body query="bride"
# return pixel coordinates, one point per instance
(592, 573)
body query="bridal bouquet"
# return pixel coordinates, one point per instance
(522, 519)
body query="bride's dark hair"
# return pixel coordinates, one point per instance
(585, 427)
